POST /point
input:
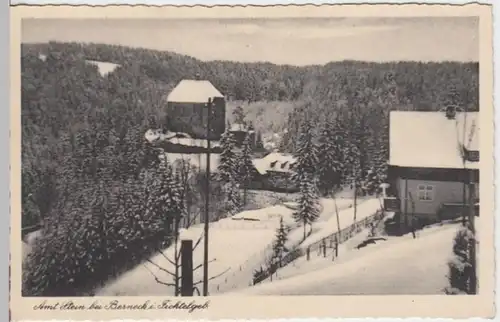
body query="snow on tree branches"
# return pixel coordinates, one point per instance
(279, 248)
(227, 169)
(460, 266)
(245, 165)
(306, 154)
(228, 174)
(308, 210)
(330, 158)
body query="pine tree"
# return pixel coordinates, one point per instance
(279, 248)
(227, 169)
(353, 173)
(245, 165)
(306, 155)
(308, 210)
(232, 200)
(330, 165)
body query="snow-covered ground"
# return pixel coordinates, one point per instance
(232, 251)
(238, 245)
(330, 226)
(400, 265)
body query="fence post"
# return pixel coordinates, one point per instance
(336, 247)
(308, 253)
(187, 268)
(324, 248)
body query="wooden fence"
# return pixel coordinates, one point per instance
(331, 241)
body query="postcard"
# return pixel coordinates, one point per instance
(251, 162)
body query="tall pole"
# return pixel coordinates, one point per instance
(187, 267)
(207, 197)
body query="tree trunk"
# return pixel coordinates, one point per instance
(176, 257)
(304, 230)
(355, 199)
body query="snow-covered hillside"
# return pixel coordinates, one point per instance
(400, 265)
(237, 246)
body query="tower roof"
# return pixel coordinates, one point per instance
(193, 91)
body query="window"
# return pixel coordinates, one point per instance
(425, 192)
(473, 156)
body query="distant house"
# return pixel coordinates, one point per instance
(274, 172)
(427, 173)
(187, 109)
(240, 131)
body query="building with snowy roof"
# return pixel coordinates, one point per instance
(187, 109)
(432, 158)
(274, 172)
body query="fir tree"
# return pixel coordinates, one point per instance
(353, 172)
(245, 165)
(330, 163)
(306, 155)
(227, 169)
(279, 248)
(308, 210)
(232, 201)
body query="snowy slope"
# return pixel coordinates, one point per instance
(364, 209)
(401, 265)
(238, 245)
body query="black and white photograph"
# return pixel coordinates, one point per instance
(194, 157)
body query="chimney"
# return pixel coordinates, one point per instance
(451, 112)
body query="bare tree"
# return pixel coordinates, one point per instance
(185, 172)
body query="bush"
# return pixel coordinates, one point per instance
(460, 268)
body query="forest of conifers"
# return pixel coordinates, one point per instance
(83, 134)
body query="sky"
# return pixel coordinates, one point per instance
(295, 41)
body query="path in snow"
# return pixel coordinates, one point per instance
(401, 265)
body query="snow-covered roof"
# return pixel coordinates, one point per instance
(274, 161)
(193, 142)
(430, 140)
(193, 91)
(179, 138)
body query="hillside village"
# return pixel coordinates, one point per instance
(351, 172)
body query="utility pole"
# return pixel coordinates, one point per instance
(207, 202)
